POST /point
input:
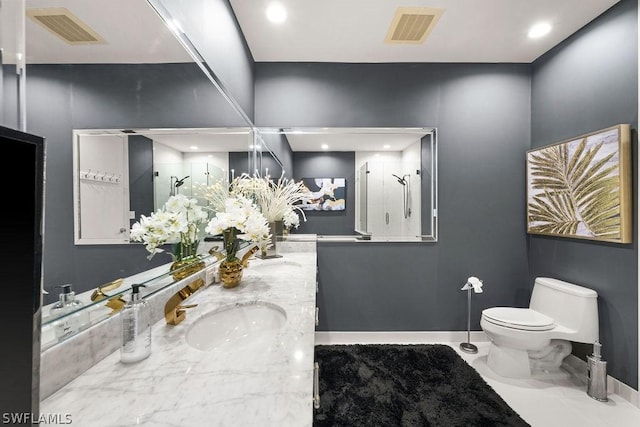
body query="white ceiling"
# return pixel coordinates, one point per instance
(132, 30)
(321, 31)
(355, 139)
(355, 30)
(207, 140)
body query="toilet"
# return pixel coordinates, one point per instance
(532, 342)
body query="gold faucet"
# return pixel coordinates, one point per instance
(116, 303)
(174, 311)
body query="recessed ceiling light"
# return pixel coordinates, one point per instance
(276, 13)
(386, 146)
(540, 29)
(194, 147)
(324, 146)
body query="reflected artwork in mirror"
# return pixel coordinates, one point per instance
(391, 175)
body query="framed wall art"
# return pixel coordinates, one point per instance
(581, 187)
(328, 194)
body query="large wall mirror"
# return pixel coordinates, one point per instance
(385, 179)
(92, 78)
(121, 174)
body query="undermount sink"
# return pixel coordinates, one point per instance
(240, 326)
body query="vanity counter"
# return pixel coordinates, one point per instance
(179, 385)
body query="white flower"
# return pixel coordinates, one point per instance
(291, 219)
(176, 222)
(275, 199)
(240, 213)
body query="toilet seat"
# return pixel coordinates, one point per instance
(518, 318)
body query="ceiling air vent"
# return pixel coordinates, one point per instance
(64, 24)
(412, 25)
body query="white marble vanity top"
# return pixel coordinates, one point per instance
(181, 386)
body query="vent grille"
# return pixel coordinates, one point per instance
(412, 25)
(64, 24)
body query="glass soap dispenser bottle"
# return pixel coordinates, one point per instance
(136, 328)
(68, 311)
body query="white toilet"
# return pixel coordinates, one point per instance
(533, 341)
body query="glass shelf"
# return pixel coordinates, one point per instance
(154, 281)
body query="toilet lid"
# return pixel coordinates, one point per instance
(518, 318)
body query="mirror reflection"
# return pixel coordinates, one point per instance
(120, 175)
(370, 183)
(119, 82)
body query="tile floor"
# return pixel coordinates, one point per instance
(554, 403)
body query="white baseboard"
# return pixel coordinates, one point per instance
(576, 366)
(397, 337)
(578, 369)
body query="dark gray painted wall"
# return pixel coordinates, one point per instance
(239, 162)
(121, 96)
(279, 146)
(213, 29)
(308, 164)
(482, 112)
(140, 176)
(587, 83)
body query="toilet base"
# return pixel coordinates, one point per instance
(543, 364)
(508, 362)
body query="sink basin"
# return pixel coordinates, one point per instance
(247, 326)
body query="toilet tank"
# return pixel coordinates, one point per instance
(571, 306)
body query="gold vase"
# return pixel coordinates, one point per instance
(230, 273)
(186, 267)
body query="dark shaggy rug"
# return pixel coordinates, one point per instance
(404, 385)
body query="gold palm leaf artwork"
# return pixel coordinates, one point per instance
(580, 188)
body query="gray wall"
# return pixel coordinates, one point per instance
(279, 146)
(307, 164)
(482, 112)
(587, 83)
(211, 26)
(121, 96)
(239, 162)
(140, 176)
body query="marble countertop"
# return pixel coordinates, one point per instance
(234, 385)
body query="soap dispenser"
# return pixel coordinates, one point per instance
(136, 328)
(69, 314)
(597, 374)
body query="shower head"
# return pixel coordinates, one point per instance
(179, 182)
(400, 180)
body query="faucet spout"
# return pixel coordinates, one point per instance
(174, 310)
(245, 259)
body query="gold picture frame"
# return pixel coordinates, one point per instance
(581, 187)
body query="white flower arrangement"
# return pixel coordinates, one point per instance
(240, 218)
(176, 222)
(291, 219)
(276, 200)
